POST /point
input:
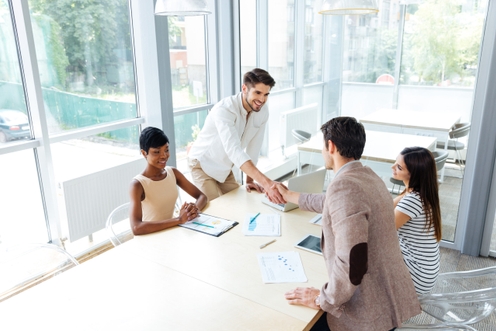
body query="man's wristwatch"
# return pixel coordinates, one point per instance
(317, 300)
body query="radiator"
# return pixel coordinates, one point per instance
(90, 199)
(304, 118)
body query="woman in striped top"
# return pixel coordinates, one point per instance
(418, 215)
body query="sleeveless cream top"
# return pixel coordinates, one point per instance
(160, 197)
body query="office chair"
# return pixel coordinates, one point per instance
(117, 226)
(459, 130)
(25, 265)
(459, 299)
(396, 182)
(440, 158)
(301, 136)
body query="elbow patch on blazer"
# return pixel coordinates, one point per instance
(358, 263)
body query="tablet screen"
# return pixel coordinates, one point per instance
(310, 243)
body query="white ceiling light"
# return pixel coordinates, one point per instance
(348, 7)
(181, 7)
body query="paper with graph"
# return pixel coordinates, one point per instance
(262, 225)
(283, 267)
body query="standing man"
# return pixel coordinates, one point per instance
(369, 286)
(232, 135)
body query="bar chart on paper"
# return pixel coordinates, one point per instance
(262, 225)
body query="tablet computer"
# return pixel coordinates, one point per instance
(310, 243)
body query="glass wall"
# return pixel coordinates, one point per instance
(22, 215)
(281, 36)
(248, 35)
(430, 71)
(14, 121)
(187, 60)
(85, 61)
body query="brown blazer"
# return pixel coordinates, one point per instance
(369, 285)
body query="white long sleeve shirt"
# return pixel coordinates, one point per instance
(228, 139)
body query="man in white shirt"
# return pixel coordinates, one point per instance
(232, 135)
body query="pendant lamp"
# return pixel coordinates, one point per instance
(348, 7)
(181, 7)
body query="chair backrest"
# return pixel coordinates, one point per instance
(459, 130)
(117, 226)
(301, 136)
(463, 297)
(440, 157)
(25, 265)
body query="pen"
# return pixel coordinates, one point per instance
(254, 217)
(267, 244)
(208, 226)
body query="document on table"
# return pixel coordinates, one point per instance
(209, 224)
(262, 225)
(283, 267)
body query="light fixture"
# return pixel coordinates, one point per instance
(181, 7)
(348, 7)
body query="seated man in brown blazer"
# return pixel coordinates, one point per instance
(369, 285)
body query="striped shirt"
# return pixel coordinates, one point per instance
(418, 244)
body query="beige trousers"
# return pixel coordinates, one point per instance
(209, 186)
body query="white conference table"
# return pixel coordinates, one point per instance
(380, 151)
(411, 122)
(177, 279)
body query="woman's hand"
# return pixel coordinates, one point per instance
(188, 212)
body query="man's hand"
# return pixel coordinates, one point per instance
(254, 186)
(304, 296)
(273, 194)
(286, 194)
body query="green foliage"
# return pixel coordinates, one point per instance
(91, 30)
(446, 41)
(174, 30)
(55, 49)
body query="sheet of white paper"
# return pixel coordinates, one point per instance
(282, 267)
(317, 219)
(263, 225)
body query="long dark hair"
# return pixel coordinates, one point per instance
(421, 165)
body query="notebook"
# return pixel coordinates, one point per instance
(308, 183)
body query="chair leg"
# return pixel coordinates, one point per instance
(460, 162)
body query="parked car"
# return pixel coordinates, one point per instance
(14, 124)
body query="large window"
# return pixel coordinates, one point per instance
(14, 122)
(432, 71)
(22, 215)
(188, 60)
(85, 62)
(281, 35)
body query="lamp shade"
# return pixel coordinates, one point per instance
(348, 7)
(181, 7)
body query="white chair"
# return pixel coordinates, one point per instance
(25, 265)
(459, 130)
(117, 226)
(301, 136)
(459, 299)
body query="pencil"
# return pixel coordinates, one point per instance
(267, 244)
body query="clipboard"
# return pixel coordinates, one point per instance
(211, 225)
